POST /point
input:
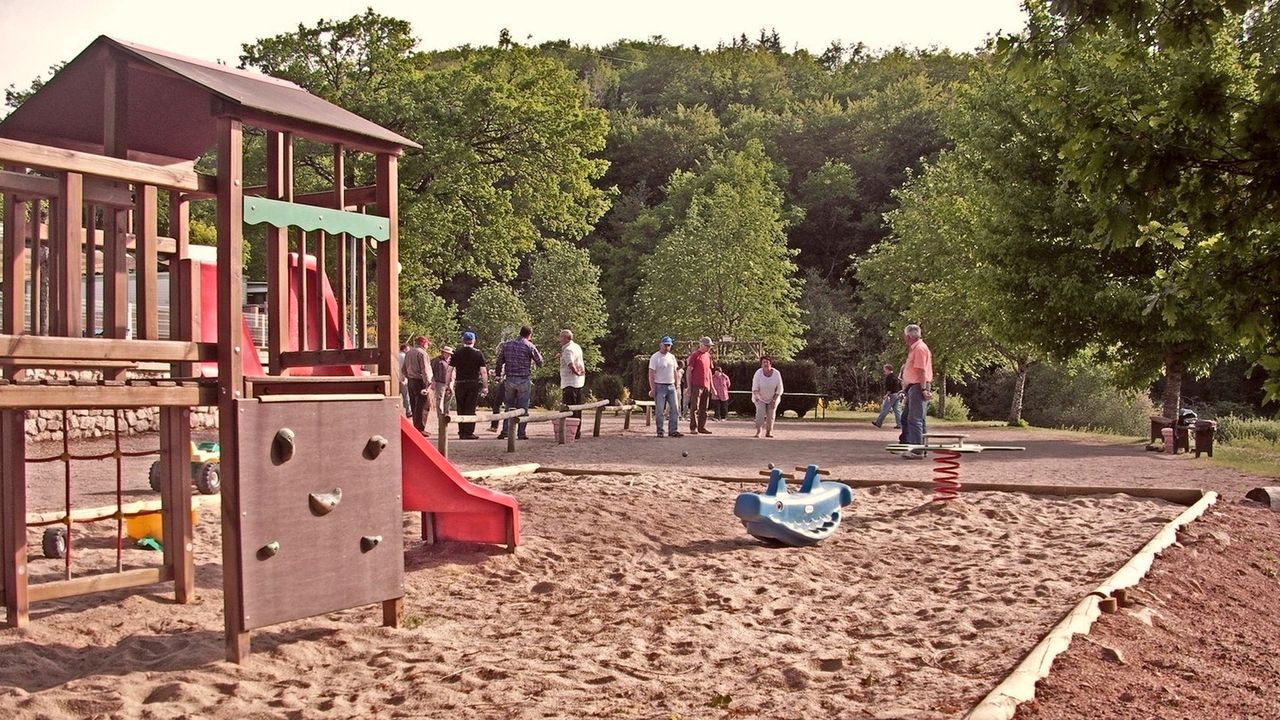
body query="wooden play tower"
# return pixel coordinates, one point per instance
(310, 461)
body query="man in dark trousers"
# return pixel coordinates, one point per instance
(417, 369)
(516, 360)
(470, 380)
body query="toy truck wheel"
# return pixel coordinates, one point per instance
(208, 481)
(154, 477)
(54, 542)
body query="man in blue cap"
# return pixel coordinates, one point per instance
(471, 378)
(662, 388)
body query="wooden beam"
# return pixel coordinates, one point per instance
(92, 238)
(70, 206)
(115, 276)
(15, 267)
(340, 199)
(175, 498)
(146, 265)
(38, 309)
(34, 347)
(115, 107)
(99, 583)
(277, 252)
(230, 155)
(13, 515)
(355, 197)
(55, 397)
(313, 358)
(26, 154)
(310, 130)
(388, 204)
(322, 340)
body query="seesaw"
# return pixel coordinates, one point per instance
(803, 518)
(947, 449)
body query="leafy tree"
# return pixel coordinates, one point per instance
(563, 291)
(428, 314)
(508, 139)
(494, 313)
(723, 269)
(1173, 144)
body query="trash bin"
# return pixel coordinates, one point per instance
(1204, 430)
(1167, 434)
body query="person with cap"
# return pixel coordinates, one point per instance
(698, 376)
(470, 380)
(573, 375)
(516, 360)
(662, 388)
(442, 380)
(417, 369)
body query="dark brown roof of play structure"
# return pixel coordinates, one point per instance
(169, 102)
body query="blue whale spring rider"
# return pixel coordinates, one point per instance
(803, 518)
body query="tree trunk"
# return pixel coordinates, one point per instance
(1173, 369)
(942, 396)
(1019, 385)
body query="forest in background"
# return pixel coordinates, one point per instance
(1067, 198)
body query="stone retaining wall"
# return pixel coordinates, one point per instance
(44, 425)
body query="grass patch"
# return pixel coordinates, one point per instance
(1249, 456)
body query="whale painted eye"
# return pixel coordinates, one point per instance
(808, 509)
(779, 505)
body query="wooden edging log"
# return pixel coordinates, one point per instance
(1020, 685)
(558, 417)
(598, 406)
(500, 472)
(110, 512)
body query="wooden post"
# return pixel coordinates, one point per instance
(38, 326)
(230, 375)
(595, 427)
(180, 294)
(302, 291)
(279, 153)
(560, 428)
(340, 203)
(322, 340)
(513, 429)
(442, 434)
(15, 267)
(429, 528)
(70, 204)
(91, 326)
(115, 276)
(13, 515)
(175, 499)
(626, 417)
(391, 610)
(145, 262)
(388, 200)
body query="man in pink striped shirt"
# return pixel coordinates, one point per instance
(917, 376)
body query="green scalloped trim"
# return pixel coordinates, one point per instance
(282, 214)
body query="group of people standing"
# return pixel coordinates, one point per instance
(706, 383)
(913, 388)
(463, 376)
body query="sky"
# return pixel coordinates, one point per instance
(35, 34)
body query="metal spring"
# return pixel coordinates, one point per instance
(946, 474)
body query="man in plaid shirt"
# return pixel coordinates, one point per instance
(516, 359)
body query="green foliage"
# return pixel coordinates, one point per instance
(428, 314)
(13, 97)
(955, 409)
(606, 386)
(1236, 430)
(508, 139)
(1084, 396)
(723, 269)
(494, 313)
(563, 291)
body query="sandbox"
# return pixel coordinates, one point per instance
(632, 597)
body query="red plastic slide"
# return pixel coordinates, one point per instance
(454, 508)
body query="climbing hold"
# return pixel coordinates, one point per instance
(374, 447)
(324, 503)
(283, 445)
(369, 542)
(269, 550)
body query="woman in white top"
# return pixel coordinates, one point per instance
(766, 390)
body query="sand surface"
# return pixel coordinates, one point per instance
(631, 597)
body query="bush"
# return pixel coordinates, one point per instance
(1077, 395)
(956, 410)
(605, 386)
(1233, 429)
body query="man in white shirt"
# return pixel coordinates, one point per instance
(573, 375)
(662, 388)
